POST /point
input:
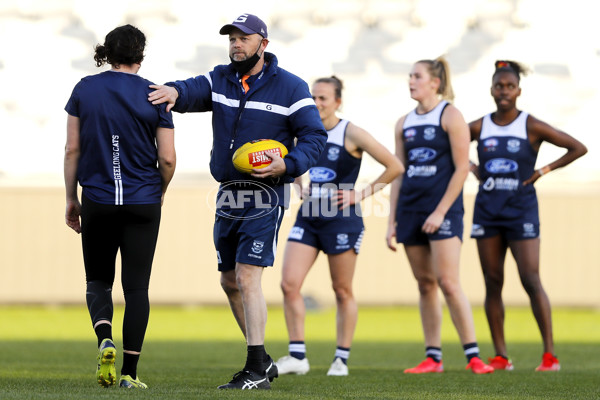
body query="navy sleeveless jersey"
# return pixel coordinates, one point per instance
(506, 159)
(335, 169)
(429, 164)
(118, 162)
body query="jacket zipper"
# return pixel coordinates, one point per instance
(239, 116)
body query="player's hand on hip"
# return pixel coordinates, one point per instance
(276, 169)
(163, 94)
(346, 198)
(532, 178)
(474, 169)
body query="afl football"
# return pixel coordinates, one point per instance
(252, 154)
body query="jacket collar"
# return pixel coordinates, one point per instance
(269, 69)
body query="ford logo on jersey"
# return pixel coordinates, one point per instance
(321, 174)
(421, 154)
(501, 166)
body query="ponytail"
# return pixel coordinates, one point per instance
(440, 69)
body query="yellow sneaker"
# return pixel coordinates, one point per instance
(127, 381)
(106, 374)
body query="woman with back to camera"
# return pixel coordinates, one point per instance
(427, 209)
(120, 148)
(330, 220)
(506, 207)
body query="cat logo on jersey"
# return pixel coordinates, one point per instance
(342, 238)
(513, 145)
(477, 230)
(490, 144)
(528, 230)
(296, 233)
(333, 153)
(258, 246)
(445, 228)
(429, 133)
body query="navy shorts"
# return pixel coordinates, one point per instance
(248, 236)
(509, 230)
(409, 224)
(327, 240)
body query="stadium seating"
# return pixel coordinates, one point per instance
(46, 47)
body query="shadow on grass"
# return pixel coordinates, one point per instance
(186, 370)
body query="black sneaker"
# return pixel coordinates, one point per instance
(271, 371)
(247, 380)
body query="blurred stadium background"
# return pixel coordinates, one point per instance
(47, 46)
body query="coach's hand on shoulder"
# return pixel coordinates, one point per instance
(163, 94)
(276, 169)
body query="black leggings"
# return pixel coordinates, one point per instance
(132, 229)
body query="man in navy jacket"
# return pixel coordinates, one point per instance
(250, 98)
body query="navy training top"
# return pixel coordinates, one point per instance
(506, 159)
(119, 159)
(335, 169)
(429, 163)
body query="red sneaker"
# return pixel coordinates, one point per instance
(549, 363)
(425, 367)
(500, 362)
(479, 367)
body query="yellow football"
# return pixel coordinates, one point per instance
(252, 154)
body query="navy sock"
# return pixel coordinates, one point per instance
(434, 352)
(471, 350)
(297, 349)
(343, 353)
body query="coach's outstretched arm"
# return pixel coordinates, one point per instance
(190, 95)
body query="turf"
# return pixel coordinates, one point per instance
(49, 353)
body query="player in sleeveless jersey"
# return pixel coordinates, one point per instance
(427, 211)
(506, 207)
(120, 149)
(330, 220)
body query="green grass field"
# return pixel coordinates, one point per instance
(49, 353)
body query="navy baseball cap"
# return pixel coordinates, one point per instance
(248, 24)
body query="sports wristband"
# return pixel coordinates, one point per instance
(544, 170)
